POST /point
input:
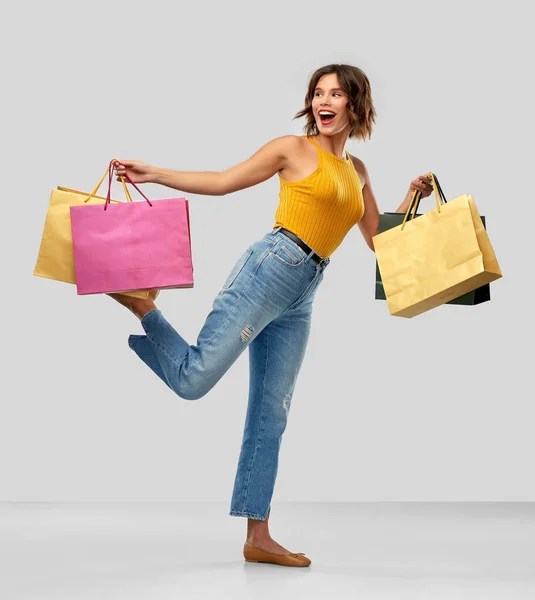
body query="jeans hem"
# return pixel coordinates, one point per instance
(144, 317)
(236, 513)
(132, 339)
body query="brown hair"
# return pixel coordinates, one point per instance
(360, 107)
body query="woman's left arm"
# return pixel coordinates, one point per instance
(369, 223)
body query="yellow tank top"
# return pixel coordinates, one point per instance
(324, 206)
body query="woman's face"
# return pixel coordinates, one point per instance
(329, 99)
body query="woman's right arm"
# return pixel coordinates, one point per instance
(262, 165)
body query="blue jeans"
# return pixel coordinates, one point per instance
(264, 305)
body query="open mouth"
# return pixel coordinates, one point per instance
(326, 116)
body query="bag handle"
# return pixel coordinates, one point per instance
(126, 190)
(440, 199)
(111, 168)
(95, 190)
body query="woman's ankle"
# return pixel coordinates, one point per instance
(257, 530)
(142, 308)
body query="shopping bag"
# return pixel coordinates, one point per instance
(55, 259)
(472, 298)
(437, 257)
(391, 219)
(131, 246)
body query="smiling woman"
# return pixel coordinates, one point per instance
(265, 303)
(348, 89)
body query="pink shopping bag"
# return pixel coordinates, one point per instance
(132, 245)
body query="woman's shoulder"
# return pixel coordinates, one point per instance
(292, 141)
(290, 145)
(360, 168)
(359, 165)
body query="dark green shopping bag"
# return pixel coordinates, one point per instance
(392, 219)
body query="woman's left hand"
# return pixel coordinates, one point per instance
(422, 184)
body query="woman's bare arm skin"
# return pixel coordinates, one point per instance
(262, 165)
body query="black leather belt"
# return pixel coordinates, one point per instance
(315, 257)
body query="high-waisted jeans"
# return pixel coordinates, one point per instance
(264, 305)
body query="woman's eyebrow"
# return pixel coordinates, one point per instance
(332, 89)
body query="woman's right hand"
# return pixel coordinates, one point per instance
(137, 171)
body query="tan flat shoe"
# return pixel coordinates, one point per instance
(153, 294)
(255, 554)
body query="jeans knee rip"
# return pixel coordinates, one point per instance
(246, 333)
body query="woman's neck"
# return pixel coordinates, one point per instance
(334, 144)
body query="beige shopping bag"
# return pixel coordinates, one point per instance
(428, 261)
(56, 259)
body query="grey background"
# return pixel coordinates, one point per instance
(439, 407)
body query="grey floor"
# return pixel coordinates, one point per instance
(177, 550)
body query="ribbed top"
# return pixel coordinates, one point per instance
(324, 206)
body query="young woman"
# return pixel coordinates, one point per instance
(266, 302)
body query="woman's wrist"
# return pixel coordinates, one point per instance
(404, 206)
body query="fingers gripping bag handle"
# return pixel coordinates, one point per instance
(440, 199)
(110, 175)
(110, 169)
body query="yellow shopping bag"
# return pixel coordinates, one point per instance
(439, 256)
(56, 259)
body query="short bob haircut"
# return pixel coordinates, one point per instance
(360, 107)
